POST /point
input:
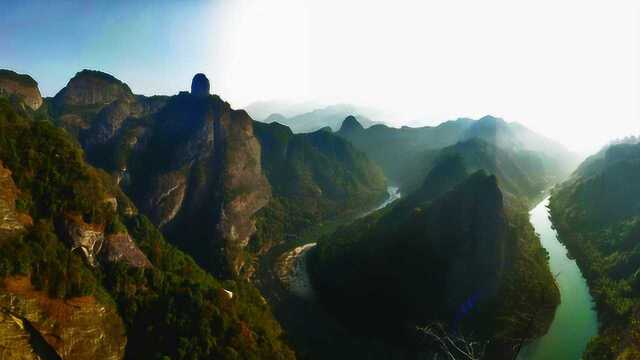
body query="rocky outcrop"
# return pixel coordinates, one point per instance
(11, 221)
(165, 202)
(190, 162)
(94, 106)
(198, 175)
(121, 248)
(87, 238)
(22, 86)
(245, 186)
(89, 87)
(200, 85)
(35, 326)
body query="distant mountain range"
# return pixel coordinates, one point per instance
(306, 117)
(526, 163)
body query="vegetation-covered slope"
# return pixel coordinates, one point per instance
(169, 308)
(319, 170)
(454, 256)
(525, 162)
(196, 168)
(597, 215)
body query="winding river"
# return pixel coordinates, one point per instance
(575, 321)
(292, 267)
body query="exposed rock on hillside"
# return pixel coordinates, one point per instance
(35, 326)
(202, 161)
(120, 247)
(11, 221)
(94, 106)
(23, 86)
(90, 87)
(245, 187)
(88, 238)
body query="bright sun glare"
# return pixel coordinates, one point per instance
(563, 69)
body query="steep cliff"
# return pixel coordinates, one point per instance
(12, 222)
(72, 329)
(95, 105)
(195, 170)
(91, 270)
(21, 86)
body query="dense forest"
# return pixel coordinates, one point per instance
(597, 214)
(450, 253)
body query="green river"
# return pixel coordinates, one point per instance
(575, 321)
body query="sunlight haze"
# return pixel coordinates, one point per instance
(560, 68)
(567, 69)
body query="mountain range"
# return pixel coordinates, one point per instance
(161, 216)
(525, 163)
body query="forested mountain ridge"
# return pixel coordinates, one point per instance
(314, 120)
(459, 243)
(525, 162)
(597, 215)
(202, 174)
(320, 169)
(87, 276)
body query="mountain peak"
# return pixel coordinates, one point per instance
(491, 118)
(351, 124)
(22, 85)
(92, 87)
(200, 86)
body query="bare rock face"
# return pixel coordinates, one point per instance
(11, 221)
(168, 197)
(244, 180)
(94, 107)
(35, 326)
(200, 85)
(21, 85)
(208, 186)
(90, 87)
(88, 238)
(120, 247)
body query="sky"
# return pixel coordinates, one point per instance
(568, 69)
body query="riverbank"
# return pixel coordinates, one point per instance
(575, 321)
(284, 282)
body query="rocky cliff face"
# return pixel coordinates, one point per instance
(246, 189)
(87, 238)
(11, 221)
(121, 247)
(196, 171)
(35, 326)
(95, 105)
(20, 85)
(90, 87)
